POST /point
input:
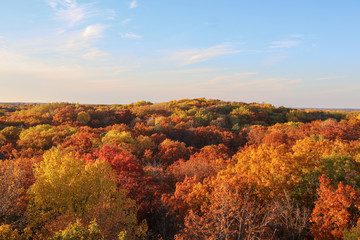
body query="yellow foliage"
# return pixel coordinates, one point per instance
(115, 137)
(67, 189)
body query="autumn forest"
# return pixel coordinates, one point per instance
(184, 169)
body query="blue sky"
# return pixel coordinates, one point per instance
(300, 53)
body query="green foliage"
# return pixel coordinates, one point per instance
(341, 168)
(142, 103)
(242, 110)
(299, 116)
(77, 231)
(202, 117)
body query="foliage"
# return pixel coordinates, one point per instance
(11, 189)
(78, 231)
(66, 188)
(334, 210)
(191, 168)
(39, 137)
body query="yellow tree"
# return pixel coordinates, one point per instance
(66, 189)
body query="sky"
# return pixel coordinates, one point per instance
(292, 53)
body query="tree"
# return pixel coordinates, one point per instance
(77, 231)
(83, 142)
(66, 189)
(7, 233)
(208, 162)
(83, 118)
(115, 137)
(131, 176)
(231, 212)
(335, 210)
(66, 115)
(11, 188)
(171, 151)
(38, 138)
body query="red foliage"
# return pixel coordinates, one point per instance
(171, 151)
(131, 176)
(66, 115)
(215, 135)
(82, 142)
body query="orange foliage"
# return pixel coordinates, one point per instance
(210, 160)
(334, 210)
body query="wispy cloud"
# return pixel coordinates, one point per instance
(131, 36)
(125, 21)
(330, 78)
(71, 11)
(284, 44)
(79, 32)
(93, 31)
(133, 4)
(80, 43)
(186, 57)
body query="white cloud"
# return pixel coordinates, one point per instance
(70, 11)
(77, 43)
(72, 14)
(93, 31)
(284, 44)
(133, 4)
(200, 55)
(125, 21)
(2, 37)
(131, 36)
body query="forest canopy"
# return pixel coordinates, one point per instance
(184, 169)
